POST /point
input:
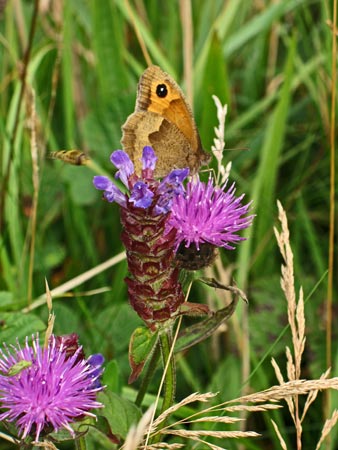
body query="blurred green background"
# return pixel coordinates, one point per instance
(270, 61)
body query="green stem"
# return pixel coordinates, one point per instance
(169, 380)
(148, 375)
(170, 376)
(80, 443)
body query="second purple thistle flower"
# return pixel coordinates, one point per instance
(206, 218)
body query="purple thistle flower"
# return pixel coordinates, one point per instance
(54, 388)
(208, 215)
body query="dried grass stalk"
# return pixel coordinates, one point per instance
(136, 433)
(219, 142)
(296, 318)
(217, 419)
(253, 408)
(296, 387)
(280, 438)
(216, 434)
(329, 424)
(195, 397)
(208, 444)
(296, 315)
(161, 445)
(278, 372)
(313, 395)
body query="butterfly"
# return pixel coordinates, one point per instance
(163, 120)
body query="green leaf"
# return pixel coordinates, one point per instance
(266, 180)
(215, 82)
(18, 325)
(258, 24)
(263, 195)
(152, 45)
(120, 413)
(6, 299)
(108, 46)
(67, 77)
(49, 256)
(111, 377)
(141, 346)
(202, 330)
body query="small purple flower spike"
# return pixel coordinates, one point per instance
(141, 196)
(111, 192)
(148, 158)
(121, 161)
(144, 191)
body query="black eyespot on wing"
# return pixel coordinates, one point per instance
(161, 90)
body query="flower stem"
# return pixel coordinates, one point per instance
(169, 365)
(169, 377)
(148, 375)
(80, 443)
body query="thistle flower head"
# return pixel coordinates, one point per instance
(205, 214)
(53, 387)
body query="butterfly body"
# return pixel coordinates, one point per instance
(163, 120)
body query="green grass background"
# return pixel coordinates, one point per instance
(270, 61)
